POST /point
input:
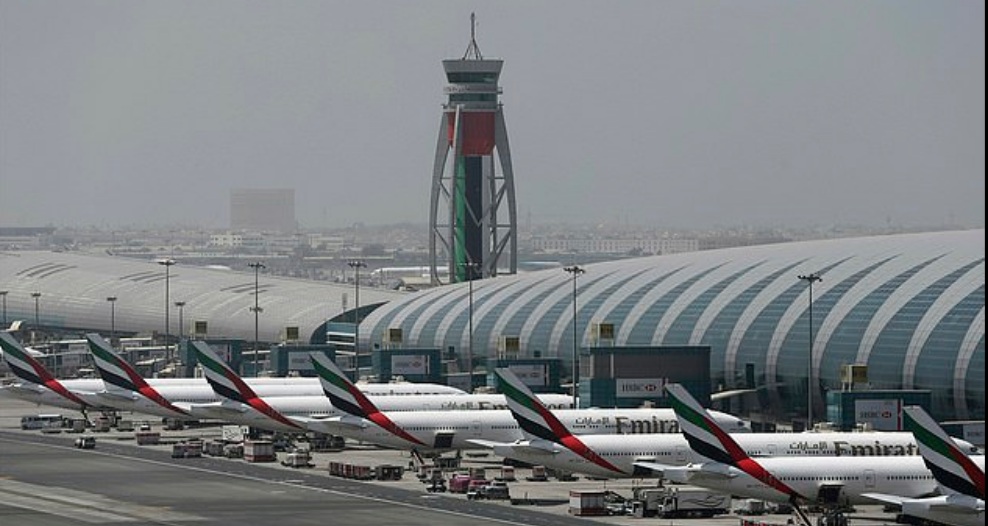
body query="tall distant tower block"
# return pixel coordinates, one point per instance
(473, 216)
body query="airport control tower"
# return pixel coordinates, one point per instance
(473, 227)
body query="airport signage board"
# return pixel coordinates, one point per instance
(640, 387)
(409, 364)
(880, 415)
(71, 360)
(299, 361)
(974, 432)
(533, 375)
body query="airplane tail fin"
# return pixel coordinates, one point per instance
(346, 397)
(29, 369)
(228, 384)
(221, 377)
(342, 393)
(536, 419)
(951, 466)
(531, 414)
(21, 363)
(112, 368)
(116, 372)
(706, 436)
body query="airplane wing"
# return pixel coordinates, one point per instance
(223, 409)
(117, 396)
(956, 504)
(184, 406)
(657, 467)
(486, 444)
(685, 474)
(25, 389)
(884, 498)
(530, 447)
(331, 426)
(217, 410)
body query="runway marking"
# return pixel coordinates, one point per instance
(84, 506)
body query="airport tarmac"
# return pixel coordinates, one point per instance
(45, 480)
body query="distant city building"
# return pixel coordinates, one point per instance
(267, 210)
(615, 246)
(25, 237)
(235, 240)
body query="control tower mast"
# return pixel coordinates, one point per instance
(473, 227)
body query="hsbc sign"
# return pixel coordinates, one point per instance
(882, 415)
(533, 375)
(640, 387)
(410, 364)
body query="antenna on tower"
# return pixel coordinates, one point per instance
(473, 41)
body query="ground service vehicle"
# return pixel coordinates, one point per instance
(496, 490)
(685, 501)
(85, 442)
(41, 421)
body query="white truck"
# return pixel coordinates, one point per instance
(679, 501)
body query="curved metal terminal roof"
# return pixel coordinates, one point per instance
(74, 288)
(910, 306)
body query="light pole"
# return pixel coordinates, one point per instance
(810, 279)
(257, 266)
(3, 294)
(471, 268)
(356, 265)
(167, 263)
(37, 316)
(575, 270)
(181, 329)
(113, 317)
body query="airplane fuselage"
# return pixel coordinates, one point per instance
(622, 451)
(319, 407)
(183, 392)
(905, 476)
(434, 430)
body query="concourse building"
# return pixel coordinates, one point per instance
(909, 309)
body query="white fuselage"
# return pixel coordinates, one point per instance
(319, 407)
(184, 394)
(186, 391)
(435, 430)
(622, 451)
(40, 395)
(906, 476)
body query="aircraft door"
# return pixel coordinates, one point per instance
(476, 429)
(869, 478)
(681, 454)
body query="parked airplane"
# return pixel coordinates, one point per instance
(243, 405)
(432, 430)
(38, 385)
(549, 442)
(127, 390)
(962, 481)
(833, 482)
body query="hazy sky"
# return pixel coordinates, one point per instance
(665, 113)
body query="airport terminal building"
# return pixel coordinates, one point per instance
(909, 307)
